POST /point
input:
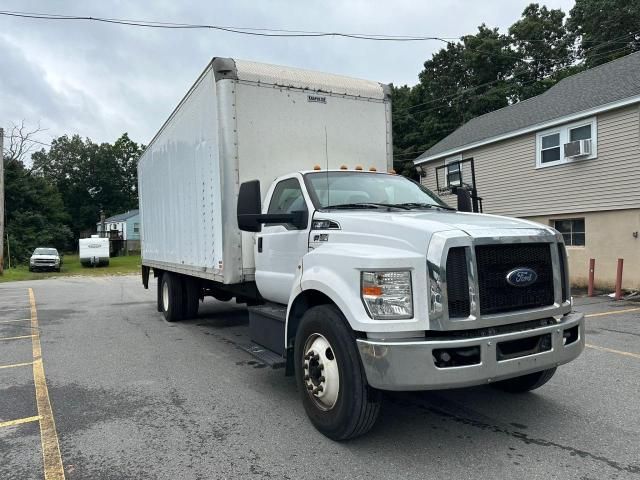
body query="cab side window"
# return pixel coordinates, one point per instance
(287, 198)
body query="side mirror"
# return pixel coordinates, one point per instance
(464, 200)
(249, 210)
(249, 206)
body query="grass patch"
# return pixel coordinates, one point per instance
(71, 266)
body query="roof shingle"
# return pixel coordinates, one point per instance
(604, 84)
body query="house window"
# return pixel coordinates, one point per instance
(136, 228)
(550, 148)
(551, 144)
(580, 133)
(572, 230)
(454, 171)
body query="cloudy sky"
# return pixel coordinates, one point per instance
(101, 80)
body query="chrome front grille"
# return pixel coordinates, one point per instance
(468, 285)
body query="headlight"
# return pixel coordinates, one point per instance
(387, 295)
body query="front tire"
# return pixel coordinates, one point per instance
(330, 377)
(525, 383)
(172, 306)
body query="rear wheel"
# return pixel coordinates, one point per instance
(172, 303)
(525, 383)
(159, 293)
(191, 297)
(330, 377)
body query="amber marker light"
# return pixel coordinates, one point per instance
(343, 167)
(359, 168)
(372, 291)
(373, 169)
(317, 167)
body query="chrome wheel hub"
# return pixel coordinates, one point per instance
(321, 375)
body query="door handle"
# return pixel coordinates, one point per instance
(259, 244)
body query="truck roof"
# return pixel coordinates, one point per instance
(289, 77)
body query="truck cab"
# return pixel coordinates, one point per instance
(386, 287)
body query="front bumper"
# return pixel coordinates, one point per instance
(410, 364)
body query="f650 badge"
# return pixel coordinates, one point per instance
(522, 277)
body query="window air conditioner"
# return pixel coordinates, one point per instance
(579, 148)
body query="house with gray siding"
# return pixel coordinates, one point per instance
(568, 158)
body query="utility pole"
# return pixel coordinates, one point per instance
(1, 201)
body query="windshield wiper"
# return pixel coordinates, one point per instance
(423, 205)
(366, 205)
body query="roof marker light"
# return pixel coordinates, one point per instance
(343, 167)
(317, 167)
(373, 169)
(359, 168)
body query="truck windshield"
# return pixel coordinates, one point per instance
(351, 189)
(45, 251)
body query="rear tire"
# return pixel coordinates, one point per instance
(525, 383)
(159, 293)
(326, 355)
(191, 297)
(172, 298)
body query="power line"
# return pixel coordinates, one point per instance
(261, 32)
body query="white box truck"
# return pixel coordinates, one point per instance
(94, 251)
(271, 185)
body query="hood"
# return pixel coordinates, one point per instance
(44, 257)
(414, 228)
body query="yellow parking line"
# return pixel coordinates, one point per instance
(16, 338)
(613, 312)
(19, 421)
(19, 320)
(611, 350)
(16, 365)
(53, 469)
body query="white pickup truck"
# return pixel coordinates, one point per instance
(271, 185)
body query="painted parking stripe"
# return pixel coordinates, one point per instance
(16, 338)
(611, 350)
(18, 320)
(19, 421)
(53, 469)
(614, 312)
(16, 365)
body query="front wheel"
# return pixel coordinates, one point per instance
(330, 377)
(525, 383)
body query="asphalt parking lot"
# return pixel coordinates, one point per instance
(118, 393)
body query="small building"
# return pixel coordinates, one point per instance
(568, 158)
(123, 230)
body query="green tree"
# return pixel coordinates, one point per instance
(544, 49)
(36, 216)
(463, 80)
(605, 29)
(91, 177)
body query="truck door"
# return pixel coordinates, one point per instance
(280, 247)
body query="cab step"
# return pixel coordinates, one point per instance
(266, 356)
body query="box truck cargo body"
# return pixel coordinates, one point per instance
(243, 121)
(271, 185)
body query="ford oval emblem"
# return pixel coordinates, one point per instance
(522, 277)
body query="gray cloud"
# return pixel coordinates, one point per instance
(102, 80)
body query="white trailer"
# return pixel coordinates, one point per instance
(358, 280)
(94, 251)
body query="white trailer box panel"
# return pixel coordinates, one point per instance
(94, 251)
(244, 121)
